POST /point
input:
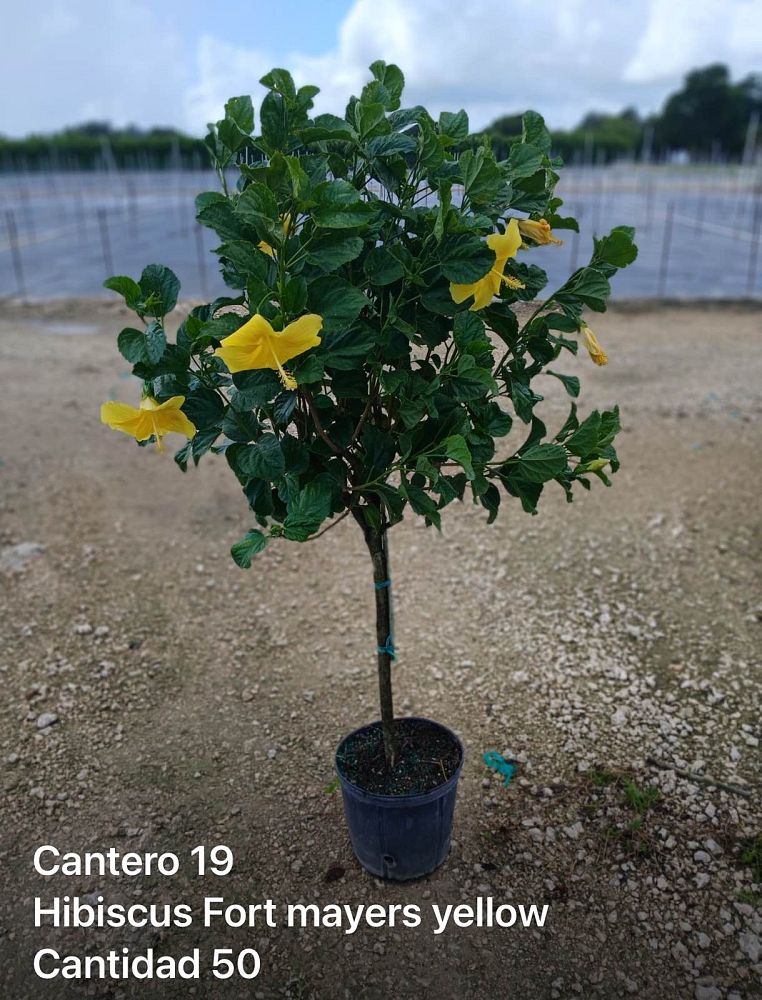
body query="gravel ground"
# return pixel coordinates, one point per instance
(155, 697)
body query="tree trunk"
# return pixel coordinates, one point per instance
(376, 540)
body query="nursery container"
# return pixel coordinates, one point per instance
(400, 836)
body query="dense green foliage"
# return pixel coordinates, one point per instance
(97, 146)
(407, 399)
(708, 116)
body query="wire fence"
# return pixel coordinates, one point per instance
(61, 234)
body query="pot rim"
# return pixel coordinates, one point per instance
(417, 798)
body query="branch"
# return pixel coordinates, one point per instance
(307, 395)
(360, 423)
(329, 526)
(700, 778)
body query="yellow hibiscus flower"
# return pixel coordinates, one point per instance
(150, 419)
(257, 345)
(539, 231)
(595, 350)
(504, 245)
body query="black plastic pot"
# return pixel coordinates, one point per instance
(399, 836)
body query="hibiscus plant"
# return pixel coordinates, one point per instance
(380, 256)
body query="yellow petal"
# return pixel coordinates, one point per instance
(595, 350)
(119, 415)
(460, 293)
(505, 244)
(174, 422)
(173, 403)
(128, 419)
(538, 230)
(266, 248)
(297, 337)
(248, 347)
(167, 417)
(484, 293)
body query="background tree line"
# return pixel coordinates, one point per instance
(709, 118)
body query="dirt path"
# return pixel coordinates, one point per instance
(196, 703)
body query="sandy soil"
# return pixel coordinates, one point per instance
(608, 645)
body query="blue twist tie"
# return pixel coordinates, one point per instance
(388, 647)
(383, 584)
(498, 763)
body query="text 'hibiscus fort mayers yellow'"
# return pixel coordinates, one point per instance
(388, 337)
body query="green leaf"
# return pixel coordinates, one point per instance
(246, 258)
(295, 295)
(392, 80)
(468, 329)
(570, 382)
(482, 179)
(380, 449)
(283, 407)
(155, 343)
(390, 145)
(146, 346)
(126, 287)
(338, 205)
(204, 408)
(337, 301)
(309, 368)
(131, 344)
(263, 460)
(231, 135)
(534, 131)
(570, 424)
(347, 349)
(528, 493)
(300, 181)
(258, 206)
(588, 286)
(457, 449)
(453, 126)
(617, 248)
(327, 127)
(465, 258)
(240, 425)
(524, 160)
(182, 455)
(421, 503)
(243, 551)
(257, 388)
(281, 81)
(216, 212)
(241, 111)
(539, 464)
(159, 287)
(585, 439)
(309, 508)
(523, 400)
(330, 251)
(274, 121)
(382, 267)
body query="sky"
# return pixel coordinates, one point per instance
(175, 62)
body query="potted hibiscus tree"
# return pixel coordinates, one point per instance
(370, 361)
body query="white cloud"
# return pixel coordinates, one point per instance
(562, 59)
(128, 62)
(682, 36)
(66, 62)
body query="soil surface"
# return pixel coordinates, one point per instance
(156, 698)
(427, 756)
